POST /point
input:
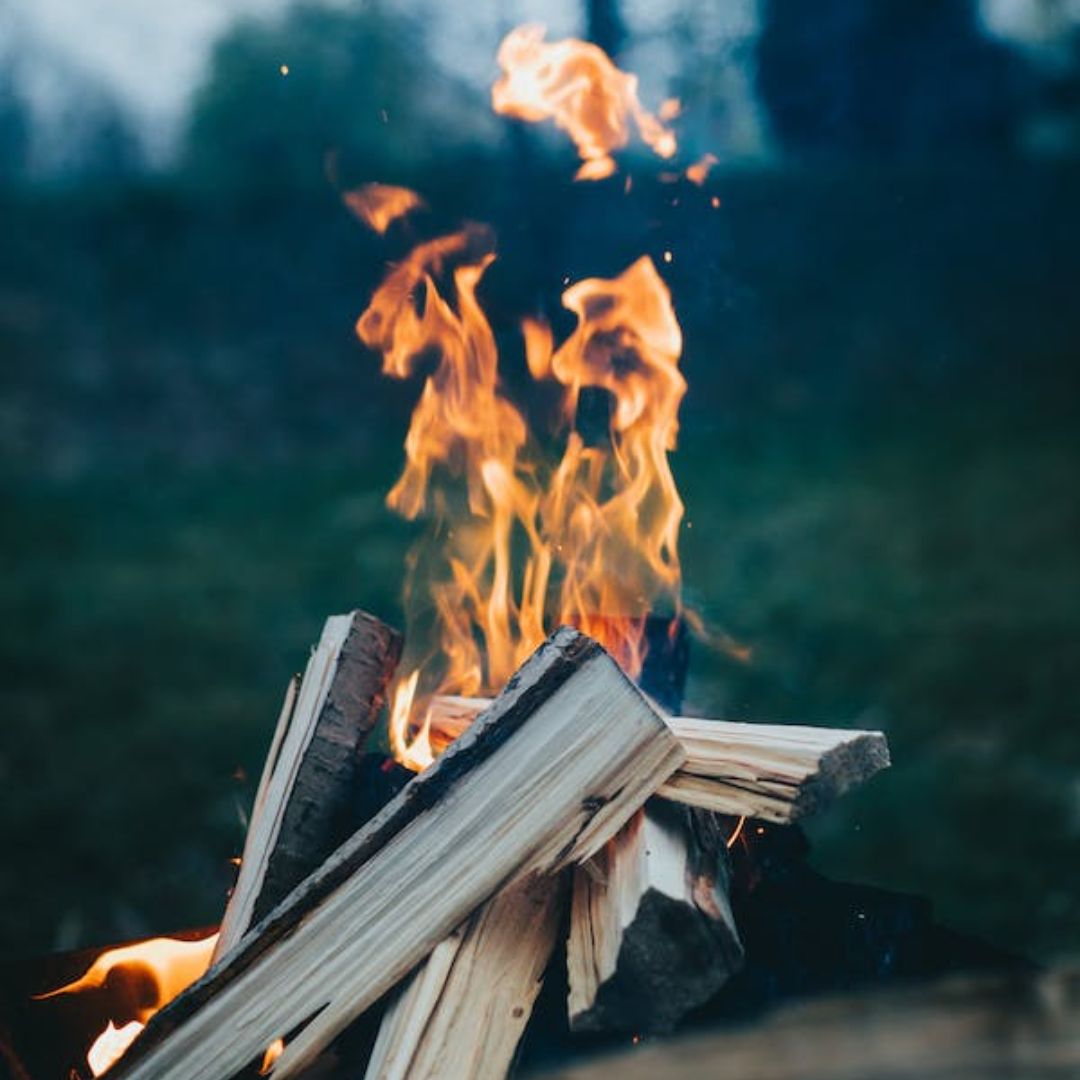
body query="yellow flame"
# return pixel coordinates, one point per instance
(575, 84)
(523, 543)
(172, 965)
(110, 1045)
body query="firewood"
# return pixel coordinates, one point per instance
(301, 810)
(777, 772)
(549, 773)
(652, 935)
(465, 1009)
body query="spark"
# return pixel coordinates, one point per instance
(734, 837)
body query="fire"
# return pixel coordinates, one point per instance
(111, 1044)
(380, 205)
(576, 85)
(171, 965)
(415, 753)
(273, 1052)
(523, 543)
(527, 535)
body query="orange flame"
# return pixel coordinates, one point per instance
(615, 510)
(171, 964)
(576, 85)
(273, 1052)
(380, 205)
(524, 545)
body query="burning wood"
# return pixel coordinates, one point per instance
(776, 772)
(301, 810)
(651, 931)
(545, 778)
(463, 878)
(465, 1010)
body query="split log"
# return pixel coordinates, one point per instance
(549, 773)
(302, 808)
(652, 935)
(776, 772)
(464, 1011)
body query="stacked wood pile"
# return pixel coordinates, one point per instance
(569, 809)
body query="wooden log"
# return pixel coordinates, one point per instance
(976, 1028)
(776, 772)
(465, 1009)
(652, 935)
(301, 811)
(549, 773)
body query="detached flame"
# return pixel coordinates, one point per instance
(698, 173)
(575, 84)
(171, 965)
(380, 205)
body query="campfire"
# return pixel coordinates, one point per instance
(545, 812)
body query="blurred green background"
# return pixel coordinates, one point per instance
(880, 453)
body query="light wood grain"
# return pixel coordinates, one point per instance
(546, 777)
(775, 772)
(464, 1011)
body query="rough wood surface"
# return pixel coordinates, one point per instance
(302, 809)
(964, 1028)
(776, 772)
(465, 1009)
(546, 776)
(652, 935)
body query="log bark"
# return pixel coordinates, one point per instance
(544, 778)
(465, 1009)
(652, 935)
(776, 772)
(302, 808)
